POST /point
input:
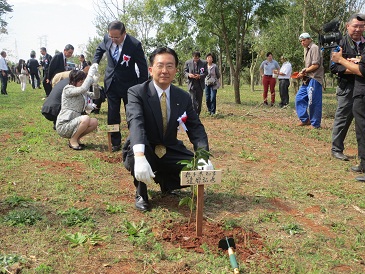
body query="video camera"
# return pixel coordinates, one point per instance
(329, 36)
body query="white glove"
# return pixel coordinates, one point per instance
(205, 166)
(142, 170)
(93, 69)
(96, 78)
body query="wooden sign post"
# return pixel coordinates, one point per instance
(200, 178)
(111, 128)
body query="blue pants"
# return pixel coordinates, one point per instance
(210, 98)
(310, 96)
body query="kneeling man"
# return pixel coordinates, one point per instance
(154, 111)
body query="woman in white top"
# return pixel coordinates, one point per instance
(22, 72)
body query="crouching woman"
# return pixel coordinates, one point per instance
(72, 122)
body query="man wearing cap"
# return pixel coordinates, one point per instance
(357, 67)
(352, 45)
(310, 93)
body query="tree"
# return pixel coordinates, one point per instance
(4, 9)
(229, 21)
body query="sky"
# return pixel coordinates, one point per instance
(49, 23)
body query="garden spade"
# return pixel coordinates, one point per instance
(228, 244)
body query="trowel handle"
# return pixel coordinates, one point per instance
(232, 259)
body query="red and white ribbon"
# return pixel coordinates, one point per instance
(182, 119)
(126, 59)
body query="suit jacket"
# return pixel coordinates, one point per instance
(52, 106)
(46, 60)
(56, 65)
(32, 65)
(144, 119)
(123, 72)
(202, 70)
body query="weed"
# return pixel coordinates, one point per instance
(113, 209)
(76, 216)
(270, 217)
(7, 260)
(231, 223)
(16, 201)
(248, 156)
(43, 269)
(21, 217)
(78, 239)
(293, 229)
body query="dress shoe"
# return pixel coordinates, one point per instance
(360, 178)
(306, 123)
(75, 147)
(116, 148)
(340, 156)
(357, 169)
(142, 204)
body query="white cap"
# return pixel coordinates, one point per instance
(304, 35)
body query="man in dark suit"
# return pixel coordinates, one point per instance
(59, 62)
(124, 52)
(196, 71)
(45, 61)
(32, 66)
(152, 149)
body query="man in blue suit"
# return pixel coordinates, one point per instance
(123, 53)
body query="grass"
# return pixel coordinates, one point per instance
(64, 211)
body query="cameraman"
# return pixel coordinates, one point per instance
(352, 45)
(358, 109)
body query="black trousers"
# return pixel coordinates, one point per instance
(47, 86)
(4, 82)
(115, 97)
(359, 115)
(36, 76)
(166, 169)
(284, 91)
(343, 116)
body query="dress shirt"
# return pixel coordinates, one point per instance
(114, 45)
(3, 65)
(141, 147)
(286, 69)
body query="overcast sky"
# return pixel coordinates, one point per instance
(49, 23)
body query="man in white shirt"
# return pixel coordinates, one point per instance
(4, 73)
(284, 81)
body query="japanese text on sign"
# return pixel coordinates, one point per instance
(200, 177)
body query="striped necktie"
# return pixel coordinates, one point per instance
(115, 54)
(164, 111)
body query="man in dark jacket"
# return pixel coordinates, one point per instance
(124, 53)
(352, 45)
(32, 66)
(45, 61)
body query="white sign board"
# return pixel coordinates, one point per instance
(200, 177)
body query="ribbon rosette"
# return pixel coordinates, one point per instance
(201, 70)
(182, 119)
(126, 59)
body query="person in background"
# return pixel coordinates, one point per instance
(152, 150)
(4, 73)
(284, 81)
(22, 71)
(71, 122)
(83, 63)
(59, 62)
(32, 65)
(212, 85)
(196, 71)
(352, 45)
(309, 95)
(123, 52)
(44, 62)
(357, 67)
(267, 68)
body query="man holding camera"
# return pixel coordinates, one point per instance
(357, 67)
(310, 93)
(352, 45)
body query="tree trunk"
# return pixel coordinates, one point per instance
(236, 86)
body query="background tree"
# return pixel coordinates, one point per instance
(5, 8)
